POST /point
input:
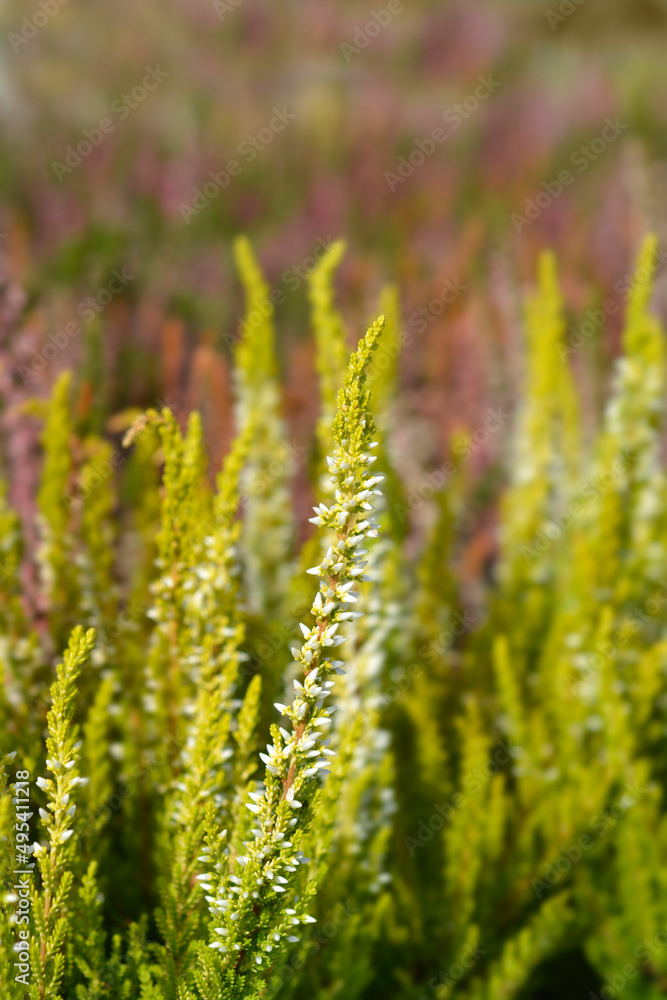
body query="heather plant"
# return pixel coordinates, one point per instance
(465, 800)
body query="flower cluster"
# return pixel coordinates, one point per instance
(55, 862)
(248, 898)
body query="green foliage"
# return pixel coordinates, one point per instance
(56, 553)
(56, 862)
(267, 522)
(330, 340)
(473, 792)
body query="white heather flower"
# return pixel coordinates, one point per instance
(292, 764)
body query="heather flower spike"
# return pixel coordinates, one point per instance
(249, 908)
(56, 859)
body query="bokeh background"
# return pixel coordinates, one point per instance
(358, 99)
